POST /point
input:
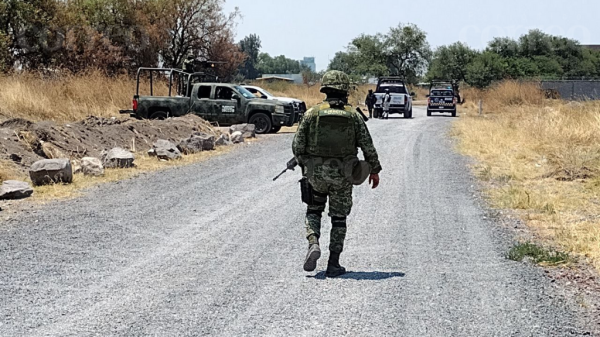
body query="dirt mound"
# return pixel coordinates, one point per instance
(25, 142)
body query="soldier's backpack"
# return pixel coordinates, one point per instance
(333, 134)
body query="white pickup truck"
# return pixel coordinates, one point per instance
(299, 105)
(401, 102)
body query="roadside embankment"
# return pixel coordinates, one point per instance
(540, 158)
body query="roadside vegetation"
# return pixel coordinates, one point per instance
(540, 158)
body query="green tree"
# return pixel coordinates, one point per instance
(451, 62)
(408, 52)
(278, 65)
(369, 55)
(29, 31)
(485, 68)
(344, 61)
(535, 43)
(250, 46)
(505, 47)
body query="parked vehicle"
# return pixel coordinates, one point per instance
(299, 105)
(222, 103)
(401, 99)
(443, 97)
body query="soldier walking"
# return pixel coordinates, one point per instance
(370, 102)
(326, 147)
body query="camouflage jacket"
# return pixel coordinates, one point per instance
(363, 137)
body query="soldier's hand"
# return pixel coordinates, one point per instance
(374, 180)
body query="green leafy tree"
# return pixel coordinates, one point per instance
(451, 62)
(403, 51)
(278, 65)
(505, 47)
(485, 68)
(408, 52)
(369, 55)
(250, 46)
(344, 61)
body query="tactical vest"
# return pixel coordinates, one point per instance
(333, 134)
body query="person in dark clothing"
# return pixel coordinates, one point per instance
(370, 102)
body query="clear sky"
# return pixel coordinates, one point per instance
(320, 28)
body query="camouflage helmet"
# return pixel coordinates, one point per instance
(335, 80)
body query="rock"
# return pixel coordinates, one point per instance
(51, 151)
(248, 130)
(91, 166)
(16, 158)
(118, 158)
(12, 189)
(223, 140)
(198, 142)
(237, 137)
(166, 150)
(76, 166)
(50, 171)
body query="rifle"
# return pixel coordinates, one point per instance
(291, 165)
(365, 118)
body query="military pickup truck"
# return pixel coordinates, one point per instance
(222, 103)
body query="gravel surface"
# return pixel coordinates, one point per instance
(217, 248)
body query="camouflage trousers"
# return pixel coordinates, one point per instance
(329, 184)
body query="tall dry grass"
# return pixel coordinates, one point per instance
(66, 98)
(541, 158)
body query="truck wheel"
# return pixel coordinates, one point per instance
(262, 122)
(275, 129)
(428, 113)
(159, 115)
(407, 114)
(454, 113)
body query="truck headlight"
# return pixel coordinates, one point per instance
(279, 109)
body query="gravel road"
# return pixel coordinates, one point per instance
(217, 249)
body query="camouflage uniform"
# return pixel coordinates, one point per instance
(188, 64)
(325, 172)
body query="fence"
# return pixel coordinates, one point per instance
(574, 90)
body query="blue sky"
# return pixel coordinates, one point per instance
(321, 28)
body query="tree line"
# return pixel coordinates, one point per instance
(114, 35)
(404, 51)
(118, 36)
(258, 63)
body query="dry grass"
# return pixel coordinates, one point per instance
(65, 98)
(541, 158)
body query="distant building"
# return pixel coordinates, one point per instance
(592, 46)
(310, 63)
(296, 78)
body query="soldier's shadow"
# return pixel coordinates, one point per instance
(362, 276)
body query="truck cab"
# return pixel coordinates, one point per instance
(401, 99)
(220, 103)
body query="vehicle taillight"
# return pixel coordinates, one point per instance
(454, 100)
(135, 104)
(428, 100)
(405, 100)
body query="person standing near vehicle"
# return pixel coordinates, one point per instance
(387, 101)
(370, 102)
(326, 147)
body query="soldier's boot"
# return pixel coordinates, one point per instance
(333, 266)
(313, 255)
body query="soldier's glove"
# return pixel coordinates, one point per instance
(374, 180)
